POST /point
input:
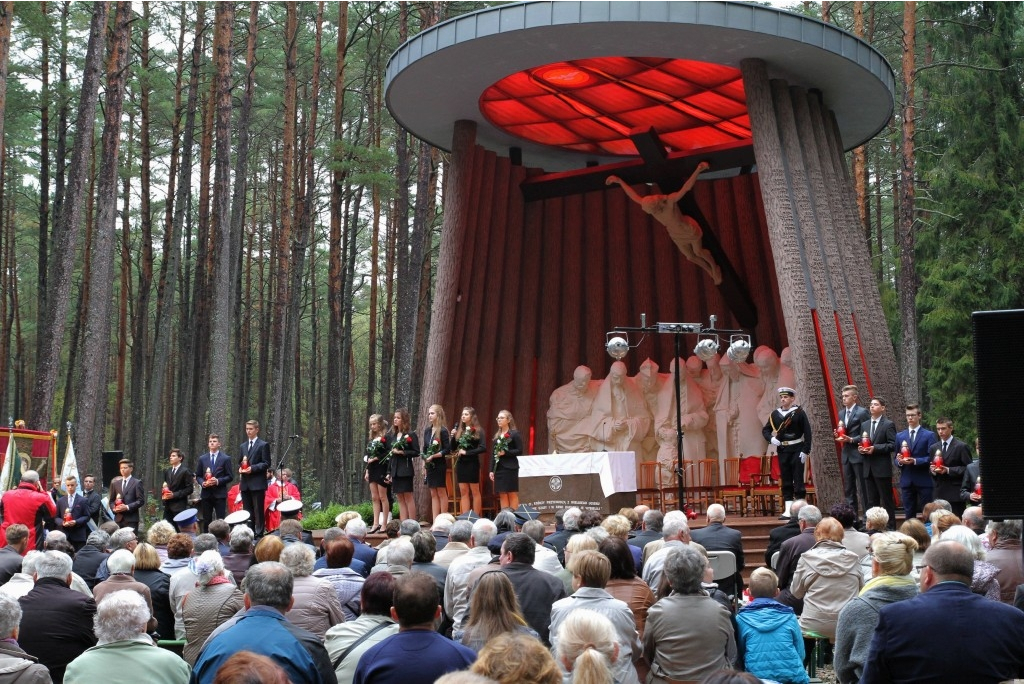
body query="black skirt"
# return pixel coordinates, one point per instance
(401, 484)
(506, 480)
(468, 469)
(437, 474)
(377, 472)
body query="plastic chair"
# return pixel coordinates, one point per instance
(723, 565)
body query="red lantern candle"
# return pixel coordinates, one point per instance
(937, 460)
(865, 441)
(905, 451)
(840, 430)
(245, 463)
(977, 487)
(69, 519)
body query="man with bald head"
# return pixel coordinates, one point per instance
(900, 653)
(717, 537)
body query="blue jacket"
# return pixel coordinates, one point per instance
(266, 631)
(770, 642)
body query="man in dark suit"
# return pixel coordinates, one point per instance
(915, 479)
(73, 514)
(214, 474)
(899, 653)
(717, 537)
(956, 456)
(127, 496)
(535, 590)
(788, 530)
(252, 474)
(853, 417)
(92, 497)
(878, 458)
(653, 521)
(178, 483)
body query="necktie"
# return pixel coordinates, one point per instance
(913, 435)
(251, 443)
(873, 424)
(213, 459)
(174, 471)
(945, 444)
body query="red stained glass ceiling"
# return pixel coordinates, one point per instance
(591, 105)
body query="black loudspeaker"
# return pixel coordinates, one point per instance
(998, 380)
(110, 468)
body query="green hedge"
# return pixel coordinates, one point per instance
(324, 518)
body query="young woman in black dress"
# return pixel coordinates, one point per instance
(468, 444)
(507, 447)
(377, 471)
(435, 459)
(406, 448)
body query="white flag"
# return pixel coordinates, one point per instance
(10, 476)
(70, 468)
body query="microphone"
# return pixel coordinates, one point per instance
(292, 437)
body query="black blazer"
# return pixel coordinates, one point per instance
(860, 421)
(402, 461)
(956, 459)
(222, 471)
(445, 443)
(134, 496)
(259, 462)
(879, 462)
(512, 452)
(180, 485)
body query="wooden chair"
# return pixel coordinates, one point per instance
(734, 492)
(648, 487)
(701, 482)
(765, 495)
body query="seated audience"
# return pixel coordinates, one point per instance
(213, 601)
(347, 642)
(1004, 552)
(901, 653)
(240, 558)
(147, 572)
(16, 665)
(315, 604)
(247, 667)
(587, 647)
(876, 520)
(124, 653)
(158, 535)
(625, 584)
(892, 556)
(827, 577)
(768, 637)
(346, 582)
(985, 581)
(517, 658)
(688, 634)
(493, 610)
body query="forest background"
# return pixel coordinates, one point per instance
(207, 214)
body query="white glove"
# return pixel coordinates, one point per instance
(776, 442)
(803, 457)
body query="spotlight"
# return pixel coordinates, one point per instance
(706, 348)
(617, 347)
(739, 350)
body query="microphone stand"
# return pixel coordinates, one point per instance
(280, 465)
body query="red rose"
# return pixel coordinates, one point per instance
(508, 435)
(408, 439)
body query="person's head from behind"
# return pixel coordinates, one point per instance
(684, 570)
(517, 658)
(578, 543)
(590, 568)
(241, 539)
(968, 538)
(401, 553)
(291, 528)
(269, 548)
(160, 533)
(494, 601)
(249, 667)
(944, 523)
(520, 548)
(269, 583)
(121, 615)
(10, 617)
(764, 584)
(915, 529)
(617, 526)
(947, 560)
(621, 559)
(17, 536)
(416, 603)
(829, 529)
(843, 513)
(377, 594)
(209, 565)
(146, 557)
(53, 564)
(299, 559)
(424, 546)
(535, 529)
(220, 529)
(180, 546)
(587, 646)
(809, 516)
(892, 554)
(339, 552)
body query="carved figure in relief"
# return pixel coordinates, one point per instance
(684, 230)
(620, 419)
(767, 363)
(569, 405)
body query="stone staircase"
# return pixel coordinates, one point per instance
(755, 530)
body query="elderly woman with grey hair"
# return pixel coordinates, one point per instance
(213, 601)
(688, 634)
(985, 581)
(158, 535)
(16, 666)
(316, 606)
(124, 653)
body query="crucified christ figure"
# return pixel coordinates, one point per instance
(684, 230)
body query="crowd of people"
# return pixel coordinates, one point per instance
(629, 597)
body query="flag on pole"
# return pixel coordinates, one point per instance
(70, 468)
(10, 476)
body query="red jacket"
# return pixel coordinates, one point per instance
(25, 504)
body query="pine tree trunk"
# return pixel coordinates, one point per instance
(66, 231)
(92, 393)
(44, 138)
(906, 279)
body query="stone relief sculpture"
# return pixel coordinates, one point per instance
(684, 231)
(721, 404)
(568, 406)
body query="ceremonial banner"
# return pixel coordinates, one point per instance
(70, 468)
(36, 450)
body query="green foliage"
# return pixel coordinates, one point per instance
(319, 520)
